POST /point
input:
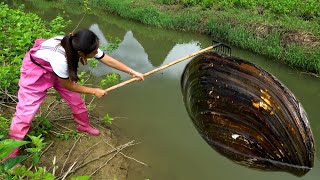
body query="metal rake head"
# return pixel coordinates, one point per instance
(221, 48)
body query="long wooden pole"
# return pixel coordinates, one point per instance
(158, 69)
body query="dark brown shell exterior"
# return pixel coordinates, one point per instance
(247, 115)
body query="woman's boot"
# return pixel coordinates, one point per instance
(82, 120)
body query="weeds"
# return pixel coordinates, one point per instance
(107, 119)
(4, 126)
(8, 145)
(19, 32)
(67, 135)
(239, 22)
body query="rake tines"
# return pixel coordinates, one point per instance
(221, 48)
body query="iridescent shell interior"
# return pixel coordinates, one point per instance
(247, 115)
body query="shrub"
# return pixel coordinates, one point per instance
(18, 32)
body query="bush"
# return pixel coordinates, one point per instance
(18, 32)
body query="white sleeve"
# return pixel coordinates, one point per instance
(99, 55)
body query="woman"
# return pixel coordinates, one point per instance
(54, 63)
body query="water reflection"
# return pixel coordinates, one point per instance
(96, 29)
(177, 52)
(133, 54)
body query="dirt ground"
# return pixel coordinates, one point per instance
(105, 162)
(84, 150)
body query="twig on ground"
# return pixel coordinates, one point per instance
(69, 155)
(28, 156)
(56, 103)
(63, 118)
(31, 167)
(90, 150)
(27, 170)
(12, 97)
(54, 165)
(50, 104)
(2, 104)
(103, 155)
(68, 172)
(57, 133)
(58, 159)
(125, 154)
(94, 117)
(91, 101)
(62, 126)
(54, 125)
(44, 151)
(118, 150)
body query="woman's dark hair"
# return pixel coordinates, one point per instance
(83, 40)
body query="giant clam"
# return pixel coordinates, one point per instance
(247, 115)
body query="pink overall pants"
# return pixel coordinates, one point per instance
(33, 85)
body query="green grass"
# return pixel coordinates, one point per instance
(308, 9)
(240, 25)
(259, 26)
(19, 30)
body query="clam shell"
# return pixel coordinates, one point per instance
(247, 115)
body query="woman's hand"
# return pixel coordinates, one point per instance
(98, 92)
(71, 86)
(137, 75)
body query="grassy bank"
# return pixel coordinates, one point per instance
(53, 129)
(19, 30)
(267, 28)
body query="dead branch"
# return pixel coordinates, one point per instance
(58, 159)
(54, 165)
(63, 118)
(103, 155)
(2, 104)
(56, 103)
(92, 100)
(44, 151)
(129, 157)
(118, 150)
(69, 155)
(62, 126)
(67, 173)
(50, 104)
(90, 150)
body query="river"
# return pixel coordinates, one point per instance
(152, 112)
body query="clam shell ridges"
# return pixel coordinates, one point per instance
(247, 115)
